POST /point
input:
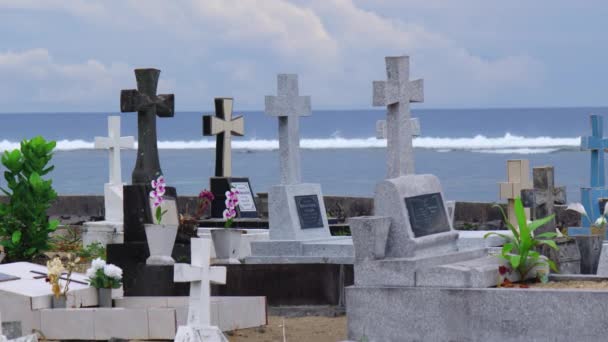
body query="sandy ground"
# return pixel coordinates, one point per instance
(573, 284)
(299, 329)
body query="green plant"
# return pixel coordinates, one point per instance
(104, 276)
(93, 251)
(519, 250)
(66, 240)
(24, 225)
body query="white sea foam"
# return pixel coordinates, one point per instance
(505, 145)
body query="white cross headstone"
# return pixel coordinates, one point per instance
(396, 94)
(113, 189)
(201, 276)
(288, 105)
(381, 128)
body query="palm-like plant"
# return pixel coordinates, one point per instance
(519, 251)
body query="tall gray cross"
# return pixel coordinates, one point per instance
(223, 126)
(148, 105)
(288, 106)
(381, 128)
(396, 94)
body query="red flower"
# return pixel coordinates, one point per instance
(502, 270)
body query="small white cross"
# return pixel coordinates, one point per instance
(114, 142)
(288, 105)
(396, 94)
(200, 275)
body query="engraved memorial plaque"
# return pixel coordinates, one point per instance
(309, 211)
(427, 214)
(245, 196)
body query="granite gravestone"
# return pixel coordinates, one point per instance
(518, 178)
(542, 198)
(414, 128)
(140, 279)
(296, 210)
(200, 276)
(223, 126)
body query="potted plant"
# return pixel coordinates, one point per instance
(104, 277)
(519, 251)
(161, 237)
(227, 240)
(55, 274)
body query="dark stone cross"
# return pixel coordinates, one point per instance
(148, 105)
(223, 126)
(542, 198)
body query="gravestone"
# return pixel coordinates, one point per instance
(223, 126)
(414, 128)
(518, 178)
(296, 210)
(542, 198)
(111, 229)
(140, 279)
(200, 276)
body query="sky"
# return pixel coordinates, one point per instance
(76, 55)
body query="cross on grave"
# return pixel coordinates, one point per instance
(200, 275)
(288, 105)
(113, 143)
(148, 105)
(414, 128)
(223, 126)
(597, 144)
(396, 94)
(542, 198)
(518, 178)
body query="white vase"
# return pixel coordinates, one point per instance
(227, 242)
(161, 239)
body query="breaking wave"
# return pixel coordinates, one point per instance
(508, 144)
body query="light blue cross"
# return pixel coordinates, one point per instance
(596, 143)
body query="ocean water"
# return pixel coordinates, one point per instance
(466, 148)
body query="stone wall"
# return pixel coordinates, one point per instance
(468, 215)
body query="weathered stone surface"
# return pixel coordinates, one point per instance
(379, 314)
(543, 197)
(370, 235)
(591, 248)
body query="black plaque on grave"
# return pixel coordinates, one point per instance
(309, 211)
(7, 277)
(246, 207)
(427, 214)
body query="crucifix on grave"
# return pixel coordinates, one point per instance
(597, 144)
(148, 105)
(296, 209)
(518, 178)
(542, 198)
(288, 106)
(396, 94)
(414, 128)
(113, 189)
(200, 275)
(223, 126)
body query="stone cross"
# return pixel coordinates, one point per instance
(148, 105)
(223, 126)
(288, 105)
(518, 178)
(113, 143)
(396, 94)
(381, 128)
(200, 275)
(542, 198)
(597, 144)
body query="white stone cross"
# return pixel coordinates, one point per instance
(223, 126)
(200, 275)
(114, 142)
(396, 94)
(381, 128)
(288, 106)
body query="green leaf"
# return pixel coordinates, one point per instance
(549, 243)
(506, 220)
(515, 260)
(546, 235)
(16, 237)
(540, 222)
(53, 224)
(552, 265)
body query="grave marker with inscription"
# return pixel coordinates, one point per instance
(427, 214)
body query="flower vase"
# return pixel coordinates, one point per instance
(59, 302)
(160, 243)
(227, 242)
(104, 298)
(598, 230)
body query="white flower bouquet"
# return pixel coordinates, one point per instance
(104, 276)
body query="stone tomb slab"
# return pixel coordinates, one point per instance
(335, 250)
